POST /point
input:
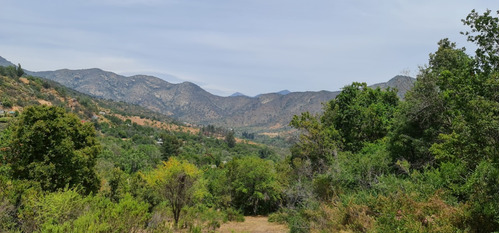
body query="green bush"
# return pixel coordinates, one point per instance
(53, 147)
(68, 211)
(234, 215)
(6, 103)
(254, 184)
(200, 217)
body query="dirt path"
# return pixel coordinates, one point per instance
(258, 224)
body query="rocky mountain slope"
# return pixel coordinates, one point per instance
(4, 62)
(402, 83)
(189, 102)
(16, 93)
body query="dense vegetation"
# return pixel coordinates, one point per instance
(156, 180)
(69, 162)
(369, 163)
(425, 164)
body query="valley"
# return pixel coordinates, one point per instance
(93, 151)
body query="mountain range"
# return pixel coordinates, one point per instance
(283, 92)
(4, 62)
(190, 103)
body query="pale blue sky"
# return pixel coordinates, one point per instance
(225, 46)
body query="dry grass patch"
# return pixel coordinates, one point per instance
(253, 224)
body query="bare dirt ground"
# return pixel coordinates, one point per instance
(257, 224)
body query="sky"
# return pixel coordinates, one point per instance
(227, 46)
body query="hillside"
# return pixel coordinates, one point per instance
(402, 83)
(4, 62)
(17, 93)
(129, 144)
(190, 103)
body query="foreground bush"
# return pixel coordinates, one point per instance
(68, 211)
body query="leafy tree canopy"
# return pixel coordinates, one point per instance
(170, 146)
(450, 120)
(361, 114)
(254, 182)
(54, 148)
(358, 115)
(177, 181)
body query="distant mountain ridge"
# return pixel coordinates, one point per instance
(4, 62)
(284, 92)
(189, 102)
(237, 94)
(402, 83)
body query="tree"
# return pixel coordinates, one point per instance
(360, 114)
(170, 147)
(317, 143)
(484, 33)
(423, 116)
(450, 121)
(219, 188)
(19, 70)
(7, 103)
(471, 144)
(9, 71)
(231, 142)
(178, 182)
(54, 148)
(255, 187)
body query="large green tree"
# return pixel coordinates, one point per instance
(317, 144)
(178, 182)
(450, 121)
(54, 148)
(471, 144)
(230, 140)
(358, 115)
(423, 116)
(19, 70)
(254, 185)
(171, 146)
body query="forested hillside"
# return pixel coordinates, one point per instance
(369, 162)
